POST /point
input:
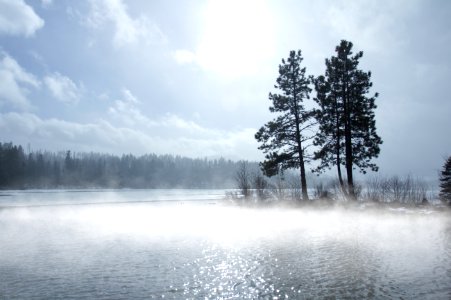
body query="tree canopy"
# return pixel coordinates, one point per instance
(347, 127)
(445, 182)
(283, 139)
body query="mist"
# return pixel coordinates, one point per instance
(169, 245)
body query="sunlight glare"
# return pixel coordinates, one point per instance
(238, 37)
(229, 226)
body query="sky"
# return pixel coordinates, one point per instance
(192, 78)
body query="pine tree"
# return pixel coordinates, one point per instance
(346, 121)
(330, 136)
(445, 182)
(283, 139)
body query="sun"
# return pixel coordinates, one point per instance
(237, 37)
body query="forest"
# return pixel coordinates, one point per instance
(20, 169)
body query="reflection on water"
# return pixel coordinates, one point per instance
(195, 250)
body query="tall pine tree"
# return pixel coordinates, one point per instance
(346, 116)
(330, 136)
(283, 139)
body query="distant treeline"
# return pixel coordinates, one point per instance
(43, 169)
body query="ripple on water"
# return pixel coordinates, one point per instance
(299, 254)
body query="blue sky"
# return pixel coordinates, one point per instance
(192, 77)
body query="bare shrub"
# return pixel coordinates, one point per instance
(375, 190)
(293, 187)
(322, 192)
(279, 187)
(396, 190)
(261, 186)
(243, 180)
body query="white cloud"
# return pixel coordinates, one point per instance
(103, 96)
(180, 136)
(63, 88)
(30, 128)
(127, 112)
(46, 3)
(127, 30)
(129, 97)
(8, 63)
(102, 136)
(14, 83)
(18, 18)
(373, 24)
(184, 56)
(177, 135)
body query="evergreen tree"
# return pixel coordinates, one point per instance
(283, 139)
(329, 116)
(346, 116)
(445, 182)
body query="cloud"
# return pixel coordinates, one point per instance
(18, 18)
(102, 136)
(46, 3)
(126, 111)
(374, 24)
(63, 88)
(127, 30)
(14, 83)
(129, 131)
(129, 97)
(29, 128)
(184, 56)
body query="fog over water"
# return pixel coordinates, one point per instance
(192, 244)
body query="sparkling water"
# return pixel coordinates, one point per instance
(192, 244)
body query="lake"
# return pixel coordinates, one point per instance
(193, 244)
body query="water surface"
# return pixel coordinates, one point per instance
(190, 244)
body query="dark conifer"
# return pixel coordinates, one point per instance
(445, 182)
(346, 116)
(283, 139)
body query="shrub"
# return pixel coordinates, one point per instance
(396, 190)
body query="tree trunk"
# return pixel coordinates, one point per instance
(303, 177)
(348, 144)
(300, 150)
(340, 177)
(337, 147)
(348, 134)
(301, 161)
